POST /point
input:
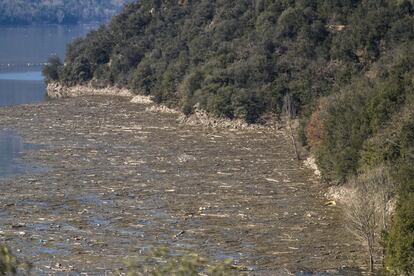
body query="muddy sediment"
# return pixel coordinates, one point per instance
(122, 179)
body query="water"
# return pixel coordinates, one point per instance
(24, 76)
(11, 145)
(31, 46)
(23, 52)
(14, 92)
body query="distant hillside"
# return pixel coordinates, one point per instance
(18, 12)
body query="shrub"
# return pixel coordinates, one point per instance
(52, 68)
(10, 265)
(161, 262)
(400, 241)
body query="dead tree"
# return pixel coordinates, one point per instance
(289, 112)
(364, 220)
(385, 191)
(367, 208)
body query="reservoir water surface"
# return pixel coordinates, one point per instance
(23, 52)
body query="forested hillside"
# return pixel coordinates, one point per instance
(17, 12)
(348, 66)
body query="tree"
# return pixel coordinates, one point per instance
(400, 238)
(51, 70)
(289, 113)
(367, 208)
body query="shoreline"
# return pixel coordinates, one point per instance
(198, 118)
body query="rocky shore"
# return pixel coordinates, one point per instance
(57, 91)
(198, 118)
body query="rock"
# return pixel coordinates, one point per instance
(200, 117)
(139, 99)
(56, 91)
(162, 109)
(310, 162)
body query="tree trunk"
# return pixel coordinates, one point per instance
(289, 113)
(292, 137)
(371, 263)
(371, 256)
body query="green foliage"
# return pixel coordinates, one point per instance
(396, 145)
(248, 53)
(400, 241)
(155, 47)
(355, 119)
(372, 123)
(161, 262)
(51, 70)
(345, 130)
(10, 265)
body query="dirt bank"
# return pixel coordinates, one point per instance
(122, 179)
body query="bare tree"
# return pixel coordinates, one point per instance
(289, 112)
(364, 219)
(367, 208)
(384, 191)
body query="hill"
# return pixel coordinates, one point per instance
(23, 12)
(347, 66)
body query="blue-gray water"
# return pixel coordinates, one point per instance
(23, 52)
(25, 47)
(22, 76)
(11, 145)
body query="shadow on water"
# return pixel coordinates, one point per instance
(11, 146)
